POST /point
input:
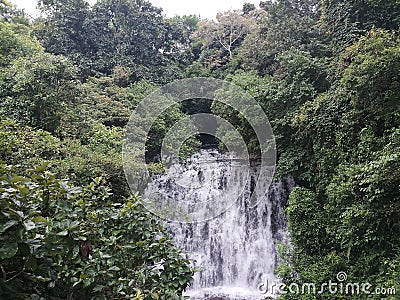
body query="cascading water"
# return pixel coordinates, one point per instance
(236, 250)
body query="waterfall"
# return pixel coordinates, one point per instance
(236, 250)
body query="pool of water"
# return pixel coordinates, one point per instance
(225, 293)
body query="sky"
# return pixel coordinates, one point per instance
(207, 9)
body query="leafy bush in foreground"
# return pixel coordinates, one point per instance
(58, 241)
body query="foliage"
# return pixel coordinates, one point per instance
(39, 95)
(106, 102)
(15, 42)
(369, 192)
(106, 35)
(63, 32)
(67, 242)
(187, 49)
(307, 222)
(345, 21)
(101, 156)
(363, 98)
(281, 26)
(326, 72)
(353, 132)
(25, 146)
(10, 13)
(223, 35)
(300, 78)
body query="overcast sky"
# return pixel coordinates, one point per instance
(204, 8)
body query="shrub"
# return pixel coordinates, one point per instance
(58, 241)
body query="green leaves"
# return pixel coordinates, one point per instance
(15, 42)
(39, 219)
(62, 233)
(29, 225)
(345, 21)
(128, 34)
(347, 219)
(8, 250)
(40, 95)
(7, 225)
(85, 243)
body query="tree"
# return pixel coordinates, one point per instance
(130, 34)
(352, 136)
(224, 35)
(15, 42)
(365, 194)
(9, 13)
(39, 89)
(106, 102)
(280, 26)
(63, 31)
(345, 21)
(248, 7)
(299, 78)
(188, 50)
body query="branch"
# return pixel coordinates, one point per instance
(16, 275)
(220, 40)
(4, 273)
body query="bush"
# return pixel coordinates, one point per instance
(58, 241)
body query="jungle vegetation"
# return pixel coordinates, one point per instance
(326, 72)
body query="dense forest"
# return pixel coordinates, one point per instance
(326, 72)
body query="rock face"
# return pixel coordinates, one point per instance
(237, 249)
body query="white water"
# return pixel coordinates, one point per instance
(237, 250)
